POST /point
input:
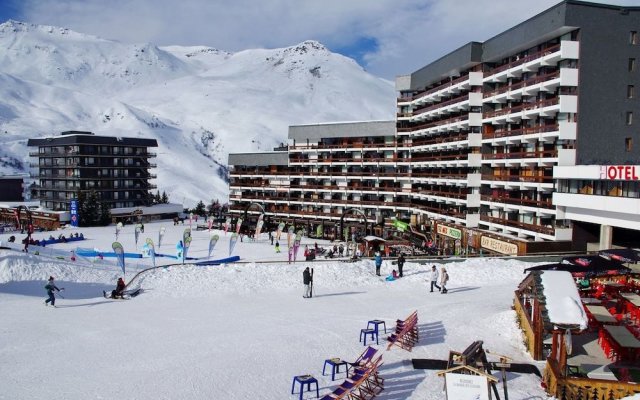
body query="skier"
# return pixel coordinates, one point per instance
(401, 261)
(434, 278)
(306, 279)
(378, 260)
(51, 286)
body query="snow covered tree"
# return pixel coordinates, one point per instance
(165, 198)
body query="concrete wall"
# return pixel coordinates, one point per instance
(259, 159)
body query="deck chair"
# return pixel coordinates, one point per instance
(364, 358)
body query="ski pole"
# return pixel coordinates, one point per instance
(61, 296)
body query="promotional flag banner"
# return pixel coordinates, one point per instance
(212, 244)
(238, 225)
(187, 243)
(296, 245)
(119, 250)
(227, 224)
(190, 219)
(186, 234)
(160, 236)
(232, 242)
(290, 252)
(259, 228)
(152, 251)
(279, 230)
(137, 235)
(118, 228)
(210, 223)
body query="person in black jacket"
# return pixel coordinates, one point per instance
(401, 261)
(306, 279)
(50, 287)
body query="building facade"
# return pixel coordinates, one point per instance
(116, 168)
(479, 132)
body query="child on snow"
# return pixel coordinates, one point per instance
(50, 287)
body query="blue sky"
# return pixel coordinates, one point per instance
(386, 37)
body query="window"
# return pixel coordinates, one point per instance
(632, 64)
(628, 144)
(629, 117)
(633, 37)
(631, 92)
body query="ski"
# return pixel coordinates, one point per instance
(311, 285)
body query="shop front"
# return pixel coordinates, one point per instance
(492, 245)
(449, 239)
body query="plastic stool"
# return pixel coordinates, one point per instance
(370, 332)
(335, 364)
(305, 380)
(376, 323)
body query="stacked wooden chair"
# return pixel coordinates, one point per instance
(406, 333)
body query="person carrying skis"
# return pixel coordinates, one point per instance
(378, 261)
(51, 286)
(306, 279)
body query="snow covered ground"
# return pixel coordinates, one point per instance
(238, 331)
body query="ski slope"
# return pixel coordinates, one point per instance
(237, 331)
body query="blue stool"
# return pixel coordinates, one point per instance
(376, 323)
(370, 332)
(335, 364)
(305, 380)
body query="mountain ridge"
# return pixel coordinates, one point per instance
(199, 102)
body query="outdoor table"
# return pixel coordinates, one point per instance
(633, 305)
(591, 300)
(601, 314)
(629, 345)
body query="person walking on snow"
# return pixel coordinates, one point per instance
(306, 279)
(401, 261)
(378, 261)
(434, 278)
(444, 278)
(51, 286)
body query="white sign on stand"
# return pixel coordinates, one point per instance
(466, 387)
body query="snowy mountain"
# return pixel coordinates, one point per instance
(200, 103)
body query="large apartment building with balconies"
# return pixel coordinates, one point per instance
(500, 115)
(117, 168)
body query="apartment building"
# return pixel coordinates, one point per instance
(478, 134)
(498, 116)
(117, 168)
(325, 171)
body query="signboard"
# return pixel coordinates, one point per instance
(75, 215)
(401, 226)
(499, 246)
(448, 231)
(466, 387)
(620, 172)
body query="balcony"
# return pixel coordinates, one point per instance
(544, 108)
(566, 77)
(521, 203)
(518, 182)
(517, 227)
(522, 158)
(542, 133)
(455, 105)
(530, 63)
(444, 90)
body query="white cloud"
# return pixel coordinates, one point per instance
(410, 33)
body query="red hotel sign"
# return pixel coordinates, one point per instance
(620, 172)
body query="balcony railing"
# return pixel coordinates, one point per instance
(521, 154)
(521, 132)
(525, 83)
(522, 107)
(435, 89)
(439, 140)
(522, 60)
(517, 178)
(443, 104)
(520, 225)
(520, 202)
